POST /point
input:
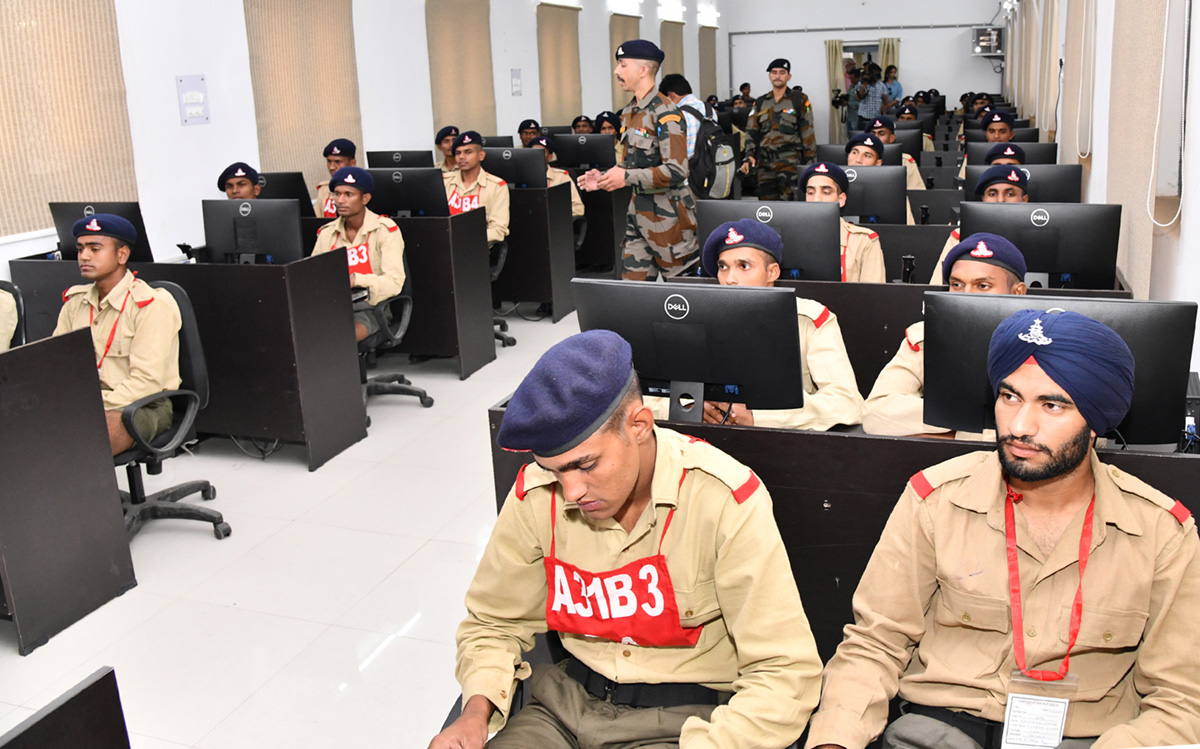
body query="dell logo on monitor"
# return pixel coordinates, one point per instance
(507, 155)
(89, 211)
(262, 181)
(582, 141)
(1040, 217)
(397, 177)
(244, 209)
(676, 307)
(764, 214)
(397, 156)
(851, 175)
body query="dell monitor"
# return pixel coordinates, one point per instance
(810, 231)
(1075, 243)
(1035, 153)
(1021, 135)
(729, 344)
(978, 124)
(740, 117)
(66, 214)
(519, 167)
(253, 231)
(1048, 183)
(393, 159)
(877, 195)
(285, 186)
(419, 191)
(835, 153)
(590, 151)
(498, 141)
(959, 327)
(555, 130)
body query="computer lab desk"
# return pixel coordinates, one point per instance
(541, 250)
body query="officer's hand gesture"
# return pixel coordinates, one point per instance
(613, 179)
(587, 180)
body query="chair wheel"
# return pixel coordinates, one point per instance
(503, 325)
(368, 422)
(427, 401)
(221, 530)
(209, 493)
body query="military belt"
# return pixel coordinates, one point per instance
(651, 190)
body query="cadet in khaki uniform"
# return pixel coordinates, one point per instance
(660, 225)
(656, 558)
(239, 181)
(8, 319)
(998, 564)
(780, 128)
(999, 184)
(338, 154)
(885, 130)
(980, 264)
(747, 253)
(908, 113)
(471, 187)
(445, 144)
(374, 245)
(866, 149)
(135, 328)
(997, 128)
(609, 123)
(558, 176)
(862, 255)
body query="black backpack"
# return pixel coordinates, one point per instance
(713, 165)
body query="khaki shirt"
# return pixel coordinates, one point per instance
(862, 255)
(144, 356)
(489, 192)
(912, 173)
(8, 319)
(451, 167)
(385, 252)
(932, 614)
(324, 207)
(831, 393)
(936, 279)
(730, 573)
(926, 142)
(558, 177)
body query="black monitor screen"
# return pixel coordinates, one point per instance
(266, 229)
(1035, 153)
(959, 327)
(811, 245)
(926, 122)
(498, 141)
(555, 130)
(877, 195)
(978, 124)
(835, 153)
(591, 151)
(519, 167)
(420, 191)
(1048, 183)
(286, 186)
(390, 159)
(1021, 135)
(725, 120)
(1057, 238)
(66, 214)
(742, 343)
(741, 116)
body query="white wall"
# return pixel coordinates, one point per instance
(394, 99)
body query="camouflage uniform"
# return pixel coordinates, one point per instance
(783, 140)
(660, 225)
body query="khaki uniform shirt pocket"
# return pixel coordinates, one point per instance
(1106, 648)
(698, 605)
(971, 633)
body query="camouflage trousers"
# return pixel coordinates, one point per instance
(660, 235)
(777, 177)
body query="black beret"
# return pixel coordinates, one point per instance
(569, 394)
(446, 132)
(825, 169)
(992, 249)
(352, 176)
(581, 118)
(870, 140)
(468, 138)
(883, 122)
(528, 125)
(237, 169)
(106, 225)
(780, 62)
(746, 232)
(908, 109)
(640, 49)
(1005, 151)
(341, 147)
(999, 116)
(1006, 173)
(545, 141)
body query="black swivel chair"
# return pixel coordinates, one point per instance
(18, 338)
(187, 402)
(498, 252)
(390, 334)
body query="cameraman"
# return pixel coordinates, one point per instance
(849, 100)
(872, 94)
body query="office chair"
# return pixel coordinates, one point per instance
(579, 225)
(18, 338)
(187, 401)
(390, 334)
(498, 252)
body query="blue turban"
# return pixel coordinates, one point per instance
(1085, 357)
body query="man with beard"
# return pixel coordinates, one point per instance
(1003, 578)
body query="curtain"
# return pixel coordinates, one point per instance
(708, 62)
(889, 52)
(670, 40)
(305, 81)
(460, 64)
(621, 29)
(1048, 72)
(837, 80)
(64, 125)
(558, 63)
(1075, 131)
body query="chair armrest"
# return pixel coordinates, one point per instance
(188, 417)
(401, 325)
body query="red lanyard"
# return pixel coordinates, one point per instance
(1014, 589)
(112, 333)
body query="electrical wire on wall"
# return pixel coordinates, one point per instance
(1187, 34)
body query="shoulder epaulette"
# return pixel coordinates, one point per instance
(814, 311)
(740, 480)
(1133, 485)
(914, 335)
(874, 235)
(73, 290)
(925, 482)
(531, 476)
(955, 234)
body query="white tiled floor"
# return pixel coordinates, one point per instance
(327, 618)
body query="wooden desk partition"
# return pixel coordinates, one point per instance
(278, 339)
(88, 714)
(541, 250)
(63, 549)
(605, 212)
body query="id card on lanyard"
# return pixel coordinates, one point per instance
(1035, 715)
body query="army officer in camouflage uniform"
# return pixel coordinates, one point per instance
(780, 130)
(660, 226)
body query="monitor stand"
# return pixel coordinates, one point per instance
(691, 393)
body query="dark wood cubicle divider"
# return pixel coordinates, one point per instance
(541, 250)
(88, 715)
(63, 549)
(605, 212)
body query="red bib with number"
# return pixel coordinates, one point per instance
(634, 604)
(462, 203)
(359, 259)
(330, 208)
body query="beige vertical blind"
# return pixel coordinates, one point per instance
(621, 29)
(708, 61)
(460, 64)
(558, 63)
(305, 79)
(670, 40)
(1048, 72)
(889, 52)
(64, 126)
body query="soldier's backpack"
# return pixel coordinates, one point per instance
(713, 165)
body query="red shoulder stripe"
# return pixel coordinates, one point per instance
(955, 234)
(65, 294)
(520, 487)
(911, 345)
(503, 183)
(921, 484)
(1180, 512)
(696, 439)
(393, 228)
(822, 318)
(143, 304)
(743, 492)
(874, 235)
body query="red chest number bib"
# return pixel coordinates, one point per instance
(330, 208)
(462, 203)
(634, 604)
(359, 259)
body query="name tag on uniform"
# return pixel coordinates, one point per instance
(359, 259)
(330, 208)
(462, 204)
(1034, 722)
